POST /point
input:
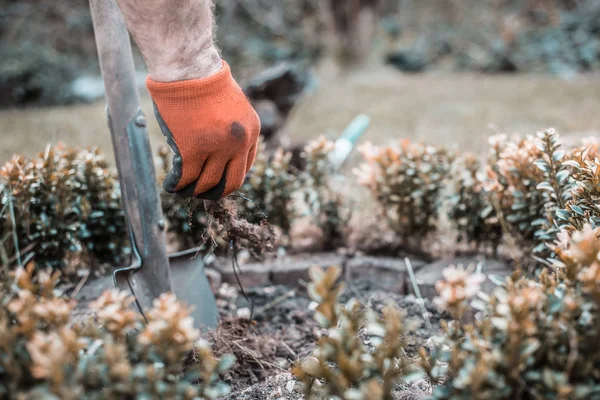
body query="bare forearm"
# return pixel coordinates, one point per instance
(175, 37)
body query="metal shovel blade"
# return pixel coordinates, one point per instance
(191, 286)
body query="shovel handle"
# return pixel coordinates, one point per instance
(133, 155)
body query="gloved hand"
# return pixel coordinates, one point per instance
(213, 130)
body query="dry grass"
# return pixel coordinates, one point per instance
(27, 131)
(447, 109)
(452, 109)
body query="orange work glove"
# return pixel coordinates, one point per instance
(213, 130)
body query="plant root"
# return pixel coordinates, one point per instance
(258, 239)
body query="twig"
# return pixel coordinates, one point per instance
(236, 272)
(80, 284)
(415, 286)
(259, 362)
(25, 251)
(509, 238)
(541, 260)
(352, 287)
(244, 197)
(276, 301)
(573, 353)
(288, 348)
(14, 226)
(250, 353)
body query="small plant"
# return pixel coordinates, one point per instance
(270, 186)
(407, 181)
(512, 182)
(342, 366)
(556, 186)
(224, 222)
(471, 209)
(535, 339)
(103, 229)
(44, 355)
(39, 208)
(60, 205)
(324, 205)
(583, 207)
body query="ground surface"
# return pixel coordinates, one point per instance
(284, 330)
(452, 109)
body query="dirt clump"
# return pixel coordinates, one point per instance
(258, 239)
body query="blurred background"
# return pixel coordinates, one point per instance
(441, 71)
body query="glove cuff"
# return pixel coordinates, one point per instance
(193, 93)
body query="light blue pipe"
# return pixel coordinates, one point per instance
(348, 139)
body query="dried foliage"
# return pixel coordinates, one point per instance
(470, 207)
(45, 356)
(361, 354)
(255, 353)
(60, 204)
(407, 181)
(535, 339)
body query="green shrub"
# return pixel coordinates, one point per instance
(470, 208)
(44, 355)
(583, 207)
(38, 201)
(544, 189)
(407, 181)
(103, 228)
(534, 339)
(270, 186)
(512, 182)
(322, 203)
(342, 366)
(64, 204)
(555, 187)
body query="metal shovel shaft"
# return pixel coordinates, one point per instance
(133, 155)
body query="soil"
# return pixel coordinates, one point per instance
(283, 330)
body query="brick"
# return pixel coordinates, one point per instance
(390, 273)
(251, 274)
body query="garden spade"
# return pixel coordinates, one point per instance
(152, 271)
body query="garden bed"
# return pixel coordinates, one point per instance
(282, 328)
(531, 200)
